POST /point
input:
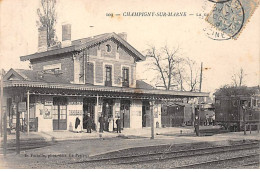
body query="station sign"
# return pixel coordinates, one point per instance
(22, 107)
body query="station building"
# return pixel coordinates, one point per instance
(95, 75)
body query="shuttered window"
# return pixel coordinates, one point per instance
(89, 73)
(125, 77)
(108, 81)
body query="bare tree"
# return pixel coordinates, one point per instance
(238, 78)
(181, 74)
(164, 63)
(47, 18)
(173, 70)
(194, 72)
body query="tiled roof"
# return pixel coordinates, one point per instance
(85, 40)
(143, 85)
(35, 76)
(80, 44)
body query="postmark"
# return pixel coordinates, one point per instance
(231, 16)
(208, 29)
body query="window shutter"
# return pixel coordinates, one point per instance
(89, 73)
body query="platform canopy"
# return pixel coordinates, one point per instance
(28, 80)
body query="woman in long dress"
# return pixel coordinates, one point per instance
(78, 125)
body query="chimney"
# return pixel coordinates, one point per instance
(42, 39)
(123, 35)
(66, 35)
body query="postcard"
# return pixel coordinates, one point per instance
(110, 84)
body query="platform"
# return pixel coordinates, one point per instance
(77, 144)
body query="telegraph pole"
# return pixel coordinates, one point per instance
(3, 113)
(1, 104)
(201, 75)
(244, 115)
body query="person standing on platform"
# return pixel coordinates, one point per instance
(118, 124)
(77, 125)
(101, 121)
(105, 123)
(85, 121)
(213, 120)
(89, 123)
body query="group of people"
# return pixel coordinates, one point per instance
(104, 124)
(210, 120)
(89, 124)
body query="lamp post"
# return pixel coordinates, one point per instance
(152, 119)
(244, 107)
(107, 119)
(17, 128)
(28, 112)
(197, 122)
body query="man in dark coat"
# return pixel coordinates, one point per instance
(101, 121)
(89, 124)
(105, 123)
(85, 121)
(118, 125)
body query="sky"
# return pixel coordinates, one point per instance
(19, 35)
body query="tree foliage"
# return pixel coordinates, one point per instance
(48, 18)
(227, 90)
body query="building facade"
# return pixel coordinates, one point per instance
(95, 75)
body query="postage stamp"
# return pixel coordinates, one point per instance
(231, 16)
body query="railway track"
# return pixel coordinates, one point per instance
(25, 146)
(167, 155)
(256, 163)
(212, 162)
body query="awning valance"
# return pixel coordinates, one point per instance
(102, 89)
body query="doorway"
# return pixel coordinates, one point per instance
(89, 107)
(107, 111)
(125, 113)
(145, 114)
(59, 113)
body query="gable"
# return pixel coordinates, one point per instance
(13, 78)
(12, 75)
(115, 48)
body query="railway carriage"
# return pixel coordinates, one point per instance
(233, 111)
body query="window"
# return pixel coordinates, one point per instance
(125, 77)
(108, 81)
(108, 73)
(63, 112)
(52, 67)
(108, 48)
(55, 111)
(255, 103)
